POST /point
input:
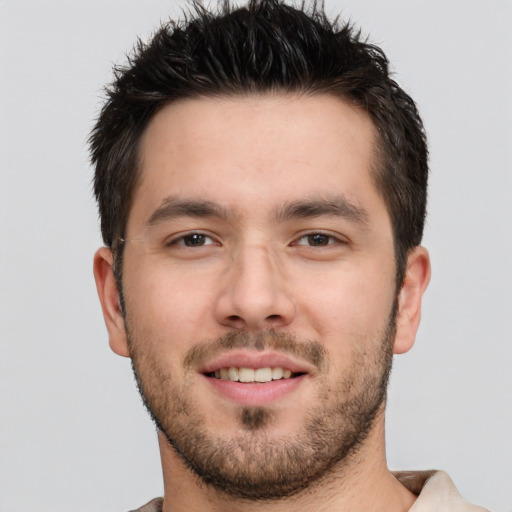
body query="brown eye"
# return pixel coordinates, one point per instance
(194, 240)
(318, 240)
(191, 240)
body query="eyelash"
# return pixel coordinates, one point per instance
(331, 240)
(181, 240)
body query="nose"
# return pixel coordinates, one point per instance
(254, 294)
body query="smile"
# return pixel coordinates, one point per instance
(248, 375)
(253, 378)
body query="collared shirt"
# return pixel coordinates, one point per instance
(435, 490)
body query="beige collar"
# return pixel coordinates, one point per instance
(436, 492)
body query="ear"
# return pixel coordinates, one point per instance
(417, 277)
(110, 303)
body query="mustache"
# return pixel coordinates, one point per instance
(310, 350)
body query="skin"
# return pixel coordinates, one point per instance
(259, 271)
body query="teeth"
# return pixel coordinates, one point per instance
(263, 375)
(246, 375)
(277, 373)
(250, 375)
(233, 374)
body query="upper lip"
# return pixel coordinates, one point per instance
(255, 359)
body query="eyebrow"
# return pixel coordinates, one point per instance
(337, 206)
(172, 208)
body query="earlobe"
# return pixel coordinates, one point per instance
(110, 301)
(417, 277)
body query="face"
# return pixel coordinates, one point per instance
(259, 287)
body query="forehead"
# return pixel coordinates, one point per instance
(265, 150)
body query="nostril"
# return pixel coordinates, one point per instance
(236, 322)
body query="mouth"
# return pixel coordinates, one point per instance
(250, 378)
(253, 375)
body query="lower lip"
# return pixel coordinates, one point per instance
(255, 393)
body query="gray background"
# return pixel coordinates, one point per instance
(73, 434)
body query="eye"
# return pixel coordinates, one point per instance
(318, 240)
(192, 240)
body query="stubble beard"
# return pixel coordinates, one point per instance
(256, 464)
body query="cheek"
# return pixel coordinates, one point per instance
(165, 309)
(350, 304)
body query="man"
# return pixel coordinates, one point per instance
(262, 189)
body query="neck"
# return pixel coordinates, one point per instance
(361, 483)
